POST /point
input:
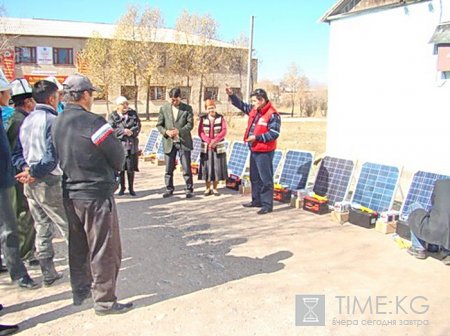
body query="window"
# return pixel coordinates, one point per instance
(211, 93)
(236, 65)
(25, 55)
(238, 92)
(157, 92)
(185, 92)
(63, 56)
(100, 95)
(128, 91)
(162, 60)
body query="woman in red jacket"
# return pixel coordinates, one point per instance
(213, 159)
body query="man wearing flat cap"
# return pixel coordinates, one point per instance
(90, 155)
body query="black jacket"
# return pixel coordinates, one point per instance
(434, 226)
(89, 153)
(133, 123)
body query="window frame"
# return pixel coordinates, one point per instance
(18, 58)
(56, 57)
(153, 90)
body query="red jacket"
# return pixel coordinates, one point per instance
(261, 127)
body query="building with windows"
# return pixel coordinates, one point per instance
(38, 48)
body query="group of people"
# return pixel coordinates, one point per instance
(58, 171)
(175, 123)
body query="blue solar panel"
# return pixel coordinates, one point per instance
(376, 186)
(420, 192)
(195, 153)
(277, 155)
(238, 158)
(151, 141)
(160, 150)
(295, 171)
(333, 178)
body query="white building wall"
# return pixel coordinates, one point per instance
(387, 103)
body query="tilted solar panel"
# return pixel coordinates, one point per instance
(238, 158)
(333, 178)
(419, 193)
(195, 153)
(296, 168)
(376, 186)
(150, 146)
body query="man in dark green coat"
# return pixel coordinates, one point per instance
(175, 123)
(21, 94)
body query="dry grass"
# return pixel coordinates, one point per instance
(298, 133)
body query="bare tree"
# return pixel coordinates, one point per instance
(182, 52)
(155, 53)
(129, 48)
(98, 56)
(237, 60)
(291, 83)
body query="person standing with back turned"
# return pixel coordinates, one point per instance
(88, 190)
(262, 131)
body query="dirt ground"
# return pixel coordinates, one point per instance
(208, 266)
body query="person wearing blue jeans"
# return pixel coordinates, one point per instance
(419, 248)
(263, 129)
(432, 228)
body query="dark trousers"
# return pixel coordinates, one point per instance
(185, 158)
(261, 178)
(25, 224)
(8, 235)
(94, 249)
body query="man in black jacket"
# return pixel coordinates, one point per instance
(432, 227)
(90, 154)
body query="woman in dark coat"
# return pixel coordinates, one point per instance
(127, 125)
(213, 158)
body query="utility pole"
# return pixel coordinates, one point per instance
(250, 54)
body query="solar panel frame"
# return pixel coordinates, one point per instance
(152, 140)
(238, 151)
(374, 194)
(337, 174)
(420, 191)
(290, 164)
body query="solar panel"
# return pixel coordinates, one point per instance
(420, 192)
(195, 153)
(333, 178)
(277, 155)
(376, 186)
(151, 141)
(160, 150)
(295, 170)
(238, 158)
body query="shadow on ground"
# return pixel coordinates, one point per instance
(168, 251)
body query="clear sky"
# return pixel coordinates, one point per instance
(286, 31)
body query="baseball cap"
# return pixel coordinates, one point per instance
(55, 81)
(78, 83)
(20, 89)
(4, 84)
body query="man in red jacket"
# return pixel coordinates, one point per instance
(262, 131)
